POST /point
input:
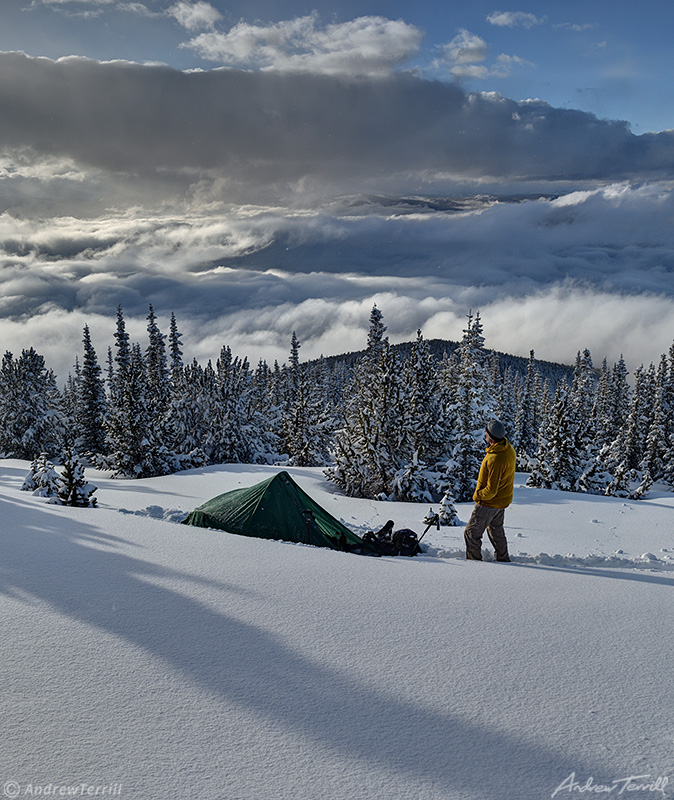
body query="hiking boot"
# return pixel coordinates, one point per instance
(473, 557)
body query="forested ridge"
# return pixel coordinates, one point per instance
(400, 422)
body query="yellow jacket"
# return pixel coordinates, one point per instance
(497, 476)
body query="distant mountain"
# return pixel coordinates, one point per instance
(441, 347)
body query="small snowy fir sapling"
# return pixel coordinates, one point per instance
(42, 480)
(447, 512)
(74, 489)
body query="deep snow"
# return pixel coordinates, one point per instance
(145, 659)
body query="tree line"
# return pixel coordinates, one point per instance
(399, 424)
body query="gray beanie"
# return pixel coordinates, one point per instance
(495, 429)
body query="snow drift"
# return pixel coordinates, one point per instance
(167, 661)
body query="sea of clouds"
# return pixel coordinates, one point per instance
(255, 204)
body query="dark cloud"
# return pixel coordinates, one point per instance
(266, 126)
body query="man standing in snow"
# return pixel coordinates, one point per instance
(493, 494)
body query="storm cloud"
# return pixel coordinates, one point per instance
(257, 128)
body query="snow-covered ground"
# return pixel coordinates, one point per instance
(145, 659)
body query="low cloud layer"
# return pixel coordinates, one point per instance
(590, 269)
(370, 46)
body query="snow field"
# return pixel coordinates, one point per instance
(182, 662)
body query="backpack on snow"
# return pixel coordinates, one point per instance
(403, 542)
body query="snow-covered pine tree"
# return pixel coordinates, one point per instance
(414, 482)
(421, 478)
(351, 469)
(507, 407)
(582, 405)
(117, 420)
(620, 394)
(229, 432)
(295, 414)
(639, 417)
(183, 425)
(621, 460)
(307, 414)
(174, 421)
(29, 483)
(598, 472)
(337, 377)
(495, 378)
(266, 415)
(545, 395)
(471, 407)
(42, 480)
(526, 419)
(134, 449)
(158, 385)
(32, 419)
(329, 399)
(70, 400)
(657, 449)
(582, 401)
(668, 402)
(642, 489)
(175, 344)
(447, 376)
(605, 470)
(426, 420)
(447, 512)
(603, 462)
(186, 423)
(556, 464)
(91, 407)
(73, 487)
(276, 402)
(603, 410)
(373, 445)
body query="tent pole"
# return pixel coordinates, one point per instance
(308, 516)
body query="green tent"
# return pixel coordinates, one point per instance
(277, 508)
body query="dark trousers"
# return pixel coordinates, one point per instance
(490, 519)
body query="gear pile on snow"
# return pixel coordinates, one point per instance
(403, 542)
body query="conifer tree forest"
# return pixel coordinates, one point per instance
(396, 423)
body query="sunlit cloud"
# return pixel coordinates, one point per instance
(513, 19)
(363, 46)
(465, 54)
(466, 48)
(194, 16)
